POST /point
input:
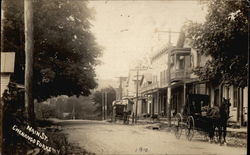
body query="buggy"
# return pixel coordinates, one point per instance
(121, 110)
(194, 116)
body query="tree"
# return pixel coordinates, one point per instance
(97, 98)
(65, 51)
(83, 107)
(223, 36)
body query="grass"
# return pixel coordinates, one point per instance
(17, 145)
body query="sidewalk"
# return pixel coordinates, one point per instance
(163, 124)
(238, 132)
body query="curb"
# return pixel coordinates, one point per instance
(163, 126)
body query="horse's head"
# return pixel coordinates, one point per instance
(225, 107)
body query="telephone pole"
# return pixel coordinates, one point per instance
(2, 24)
(105, 104)
(169, 100)
(29, 47)
(103, 108)
(136, 104)
(73, 112)
(137, 88)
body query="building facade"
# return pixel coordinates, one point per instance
(164, 87)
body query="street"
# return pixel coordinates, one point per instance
(106, 138)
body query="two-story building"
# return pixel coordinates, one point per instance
(164, 87)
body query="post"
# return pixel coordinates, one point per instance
(169, 106)
(241, 106)
(136, 106)
(120, 89)
(184, 96)
(29, 46)
(73, 112)
(102, 106)
(184, 83)
(106, 105)
(133, 118)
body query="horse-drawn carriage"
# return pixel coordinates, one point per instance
(199, 116)
(121, 110)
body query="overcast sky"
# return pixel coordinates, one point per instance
(126, 29)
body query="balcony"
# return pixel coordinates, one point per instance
(180, 65)
(180, 75)
(148, 88)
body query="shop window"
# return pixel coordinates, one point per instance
(202, 89)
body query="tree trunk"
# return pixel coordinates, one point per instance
(29, 47)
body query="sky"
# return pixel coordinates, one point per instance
(127, 30)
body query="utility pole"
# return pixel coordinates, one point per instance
(120, 88)
(73, 112)
(137, 88)
(103, 106)
(136, 104)
(169, 88)
(106, 105)
(29, 47)
(2, 24)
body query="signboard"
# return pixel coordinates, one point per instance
(7, 62)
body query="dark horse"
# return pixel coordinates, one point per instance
(219, 117)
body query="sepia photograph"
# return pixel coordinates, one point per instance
(124, 77)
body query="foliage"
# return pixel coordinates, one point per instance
(62, 107)
(12, 115)
(84, 107)
(44, 111)
(97, 97)
(223, 36)
(65, 49)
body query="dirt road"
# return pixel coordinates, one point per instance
(106, 138)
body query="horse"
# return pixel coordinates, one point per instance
(219, 117)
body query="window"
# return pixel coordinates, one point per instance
(172, 60)
(180, 63)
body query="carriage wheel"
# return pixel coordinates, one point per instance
(190, 128)
(178, 126)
